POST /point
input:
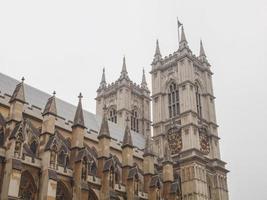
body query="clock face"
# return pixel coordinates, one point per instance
(204, 143)
(175, 142)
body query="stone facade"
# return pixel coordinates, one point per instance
(51, 150)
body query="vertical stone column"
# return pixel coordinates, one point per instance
(12, 176)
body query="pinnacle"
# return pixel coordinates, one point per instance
(18, 93)
(157, 52)
(127, 138)
(79, 119)
(50, 107)
(104, 129)
(202, 51)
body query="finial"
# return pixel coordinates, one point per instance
(144, 83)
(22, 79)
(54, 93)
(201, 51)
(80, 96)
(157, 52)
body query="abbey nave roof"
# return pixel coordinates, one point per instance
(37, 99)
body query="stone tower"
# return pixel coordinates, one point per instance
(184, 116)
(124, 98)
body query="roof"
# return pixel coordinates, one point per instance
(66, 110)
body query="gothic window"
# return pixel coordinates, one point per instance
(173, 101)
(113, 115)
(27, 187)
(112, 178)
(1, 137)
(53, 159)
(135, 121)
(61, 158)
(18, 149)
(136, 184)
(92, 169)
(84, 169)
(198, 101)
(33, 147)
(62, 192)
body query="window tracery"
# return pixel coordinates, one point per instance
(134, 120)
(113, 115)
(173, 100)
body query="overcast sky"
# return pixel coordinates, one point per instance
(63, 46)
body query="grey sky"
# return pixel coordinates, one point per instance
(63, 45)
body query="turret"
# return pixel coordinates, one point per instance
(49, 120)
(124, 72)
(148, 163)
(78, 131)
(167, 171)
(202, 55)
(103, 82)
(144, 83)
(103, 142)
(127, 152)
(157, 55)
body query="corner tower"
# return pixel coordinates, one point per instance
(125, 98)
(184, 116)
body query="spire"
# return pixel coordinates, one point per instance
(103, 82)
(104, 129)
(124, 73)
(18, 93)
(157, 52)
(50, 107)
(201, 51)
(127, 138)
(183, 38)
(79, 119)
(144, 83)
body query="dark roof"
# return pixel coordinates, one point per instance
(66, 110)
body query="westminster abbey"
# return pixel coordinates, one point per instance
(52, 150)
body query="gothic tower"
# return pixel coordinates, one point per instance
(124, 98)
(184, 116)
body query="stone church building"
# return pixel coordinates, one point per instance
(52, 150)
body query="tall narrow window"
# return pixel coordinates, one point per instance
(198, 100)
(113, 115)
(134, 121)
(173, 101)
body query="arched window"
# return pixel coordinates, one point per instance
(93, 169)
(173, 101)
(62, 192)
(1, 137)
(112, 177)
(61, 158)
(198, 101)
(84, 169)
(27, 187)
(134, 121)
(113, 115)
(33, 147)
(136, 184)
